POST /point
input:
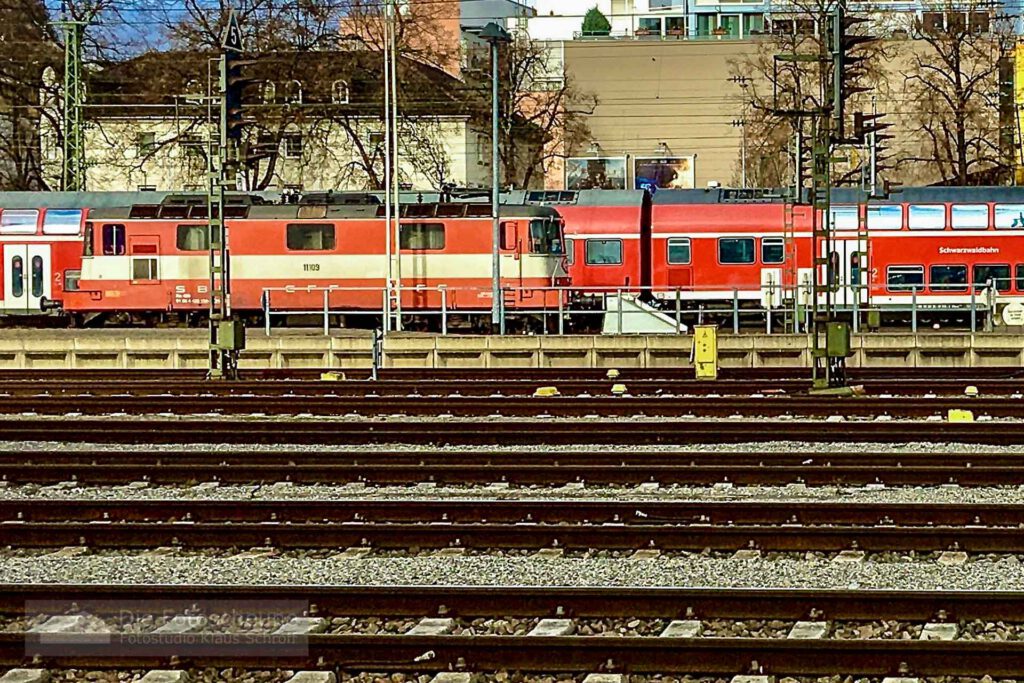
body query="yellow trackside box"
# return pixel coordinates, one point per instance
(705, 351)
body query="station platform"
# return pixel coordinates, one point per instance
(169, 348)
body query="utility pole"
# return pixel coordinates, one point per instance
(496, 36)
(227, 335)
(73, 160)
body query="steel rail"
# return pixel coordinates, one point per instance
(105, 467)
(490, 432)
(533, 524)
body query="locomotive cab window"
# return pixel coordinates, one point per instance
(546, 236)
(113, 240)
(970, 217)
(773, 250)
(19, 221)
(62, 221)
(995, 274)
(310, 237)
(87, 242)
(604, 252)
(948, 278)
(736, 250)
(679, 251)
(905, 278)
(193, 238)
(423, 236)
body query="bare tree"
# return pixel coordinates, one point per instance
(953, 81)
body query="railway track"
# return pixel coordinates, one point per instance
(477, 467)
(513, 524)
(477, 432)
(710, 648)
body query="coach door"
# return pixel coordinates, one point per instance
(849, 272)
(26, 276)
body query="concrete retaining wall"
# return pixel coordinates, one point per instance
(187, 349)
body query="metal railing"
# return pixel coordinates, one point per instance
(674, 308)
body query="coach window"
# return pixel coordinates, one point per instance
(19, 221)
(37, 276)
(948, 278)
(193, 238)
(144, 269)
(773, 250)
(17, 276)
(423, 236)
(998, 275)
(1020, 277)
(886, 217)
(926, 217)
(844, 217)
(604, 252)
(679, 251)
(113, 240)
(62, 221)
(736, 250)
(970, 217)
(905, 278)
(1009, 216)
(310, 237)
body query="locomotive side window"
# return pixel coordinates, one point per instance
(87, 243)
(679, 251)
(1009, 216)
(113, 240)
(970, 216)
(62, 221)
(844, 217)
(310, 237)
(886, 217)
(570, 250)
(144, 269)
(71, 279)
(926, 217)
(508, 236)
(422, 236)
(773, 250)
(19, 221)
(193, 238)
(604, 252)
(996, 274)
(948, 278)
(904, 278)
(736, 250)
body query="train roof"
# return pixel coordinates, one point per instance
(912, 195)
(576, 197)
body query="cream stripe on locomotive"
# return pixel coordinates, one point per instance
(313, 266)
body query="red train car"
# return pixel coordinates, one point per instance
(152, 259)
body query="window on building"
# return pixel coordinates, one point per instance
(145, 144)
(193, 238)
(885, 217)
(970, 216)
(268, 92)
(62, 221)
(753, 24)
(292, 145)
(675, 26)
(782, 27)
(844, 217)
(932, 22)
(19, 221)
(648, 26)
(926, 217)
(736, 250)
(310, 237)
(980, 22)
(1020, 277)
(292, 92)
(144, 269)
(604, 252)
(948, 278)
(904, 278)
(706, 24)
(423, 236)
(1009, 216)
(773, 250)
(679, 251)
(994, 274)
(340, 92)
(729, 25)
(113, 240)
(665, 4)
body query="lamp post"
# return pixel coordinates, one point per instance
(496, 36)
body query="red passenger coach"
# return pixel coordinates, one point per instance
(153, 258)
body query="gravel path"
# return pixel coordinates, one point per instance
(1006, 573)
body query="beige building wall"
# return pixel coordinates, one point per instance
(128, 153)
(672, 92)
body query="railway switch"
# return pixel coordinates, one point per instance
(705, 351)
